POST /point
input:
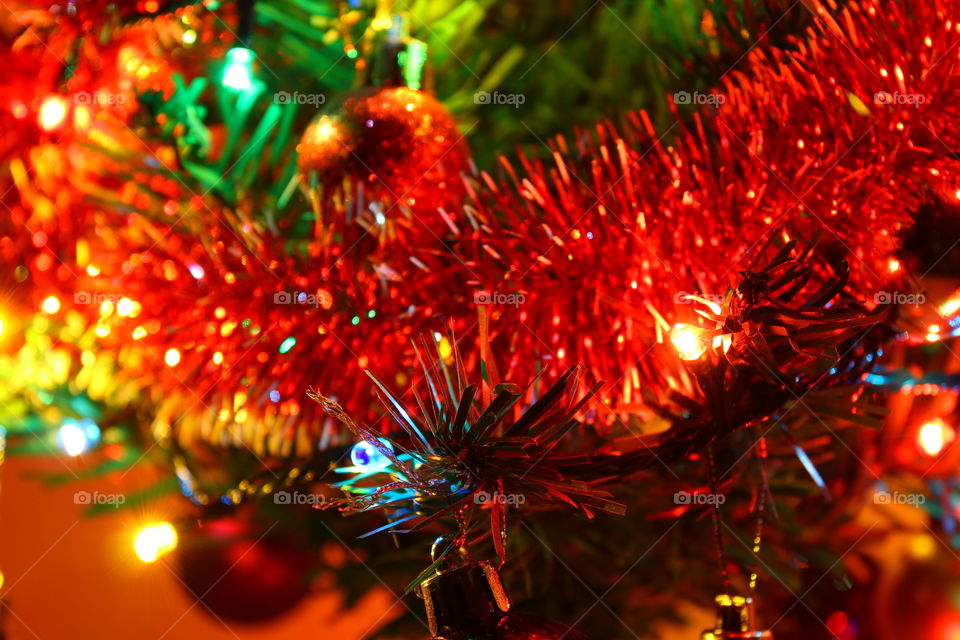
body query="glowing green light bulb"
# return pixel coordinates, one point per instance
(238, 72)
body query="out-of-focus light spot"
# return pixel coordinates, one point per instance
(951, 306)
(355, 320)
(197, 271)
(53, 111)
(923, 546)
(139, 333)
(934, 436)
(77, 436)
(51, 305)
(19, 110)
(126, 307)
(172, 357)
(275, 396)
(893, 265)
(238, 74)
(446, 349)
(952, 631)
(92, 270)
(189, 36)
(366, 455)
(689, 341)
(220, 313)
(287, 344)
(155, 540)
(371, 314)
(217, 358)
(82, 117)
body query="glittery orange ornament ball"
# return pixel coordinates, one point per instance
(396, 146)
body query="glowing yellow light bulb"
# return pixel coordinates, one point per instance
(934, 436)
(52, 113)
(172, 357)
(689, 341)
(893, 265)
(155, 540)
(51, 305)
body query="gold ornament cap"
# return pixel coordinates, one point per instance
(398, 60)
(735, 621)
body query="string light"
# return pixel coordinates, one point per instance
(52, 113)
(368, 456)
(51, 305)
(155, 540)
(238, 73)
(76, 437)
(689, 341)
(934, 436)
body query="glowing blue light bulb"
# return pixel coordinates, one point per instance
(238, 73)
(366, 455)
(77, 436)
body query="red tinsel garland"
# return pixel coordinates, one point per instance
(586, 257)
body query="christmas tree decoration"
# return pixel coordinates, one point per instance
(53, 113)
(238, 70)
(243, 571)
(468, 454)
(689, 341)
(76, 437)
(366, 456)
(934, 436)
(289, 310)
(735, 620)
(471, 603)
(385, 153)
(154, 541)
(395, 149)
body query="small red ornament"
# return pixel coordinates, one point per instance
(243, 572)
(385, 149)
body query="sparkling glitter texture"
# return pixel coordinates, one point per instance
(384, 154)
